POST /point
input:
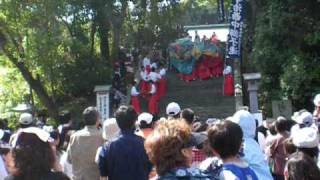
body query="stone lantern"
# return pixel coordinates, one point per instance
(253, 83)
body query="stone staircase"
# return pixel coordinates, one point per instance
(204, 97)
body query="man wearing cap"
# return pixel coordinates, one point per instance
(303, 119)
(83, 146)
(173, 111)
(25, 121)
(124, 157)
(145, 124)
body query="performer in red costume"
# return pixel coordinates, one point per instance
(228, 89)
(153, 100)
(202, 70)
(162, 83)
(144, 82)
(135, 98)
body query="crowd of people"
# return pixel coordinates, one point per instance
(141, 146)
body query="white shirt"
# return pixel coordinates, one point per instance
(144, 75)
(3, 171)
(163, 72)
(154, 76)
(153, 89)
(146, 62)
(227, 70)
(134, 91)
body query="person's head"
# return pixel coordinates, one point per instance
(289, 147)
(225, 139)
(306, 140)
(281, 125)
(25, 120)
(64, 117)
(173, 110)
(188, 115)
(91, 116)
(145, 120)
(133, 83)
(126, 117)
(32, 154)
(272, 128)
(302, 167)
(316, 101)
(170, 146)
(110, 129)
(247, 123)
(304, 118)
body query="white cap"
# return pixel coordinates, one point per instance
(26, 119)
(146, 117)
(173, 109)
(304, 118)
(305, 137)
(316, 100)
(110, 129)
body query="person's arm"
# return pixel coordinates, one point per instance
(69, 149)
(102, 163)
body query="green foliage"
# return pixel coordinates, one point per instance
(286, 51)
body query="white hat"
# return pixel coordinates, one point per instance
(295, 115)
(110, 129)
(146, 117)
(305, 137)
(40, 133)
(26, 119)
(173, 109)
(304, 118)
(316, 100)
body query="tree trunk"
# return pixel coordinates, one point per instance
(35, 84)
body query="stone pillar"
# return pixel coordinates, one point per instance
(237, 84)
(103, 101)
(253, 83)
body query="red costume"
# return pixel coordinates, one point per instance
(228, 89)
(161, 87)
(153, 101)
(203, 71)
(135, 100)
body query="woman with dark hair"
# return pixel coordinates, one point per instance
(277, 151)
(32, 157)
(169, 148)
(301, 167)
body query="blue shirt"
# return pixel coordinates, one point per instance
(125, 158)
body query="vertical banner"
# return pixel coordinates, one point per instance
(235, 29)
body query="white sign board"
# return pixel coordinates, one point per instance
(103, 101)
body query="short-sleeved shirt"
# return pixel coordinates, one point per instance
(124, 157)
(186, 174)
